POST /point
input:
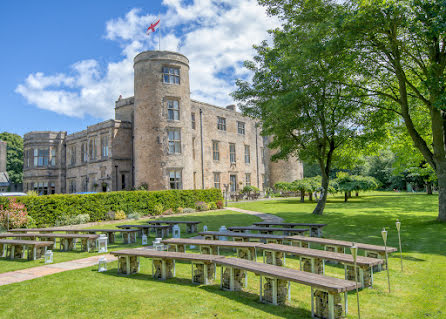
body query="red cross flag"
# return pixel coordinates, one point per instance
(153, 26)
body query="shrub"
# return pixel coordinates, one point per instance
(110, 215)
(201, 206)
(188, 210)
(179, 210)
(134, 215)
(158, 209)
(212, 206)
(119, 214)
(219, 204)
(168, 212)
(63, 220)
(80, 219)
(32, 193)
(31, 222)
(14, 215)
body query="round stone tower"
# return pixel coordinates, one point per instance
(162, 124)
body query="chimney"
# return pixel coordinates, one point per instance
(231, 107)
(2, 156)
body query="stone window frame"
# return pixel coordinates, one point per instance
(232, 153)
(193, 120)
(41, 159)
(171, 101)
(193, 147)
(73, 154)
(215, 151)
(217, 180)
(247, 154)
(247, 179)
(72, 185)
(52, 156)
(92, 148)
(84, 152)
(221, 123)
(177, 179)
(241, 127)
(104, 146)
(175, 142)
(170, 74)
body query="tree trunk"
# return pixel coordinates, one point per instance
(349, 194)
(357, 194)
(346, 197)
(442, 197)
(429, 188)
(310, 195)
(323, 198)
(302, 196)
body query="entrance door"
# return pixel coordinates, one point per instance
(233, 181)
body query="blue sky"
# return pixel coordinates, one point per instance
(65, 63)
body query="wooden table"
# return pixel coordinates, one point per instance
(14, 248)
(315, 229)
(278, 239)
(161, 230)
(268, 230)
(192, 226)
(372, 251)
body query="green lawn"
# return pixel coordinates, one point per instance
(212, 220)
(419, 292)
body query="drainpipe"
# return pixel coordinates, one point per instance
(257, 158)
(201, 140)
(116, 176)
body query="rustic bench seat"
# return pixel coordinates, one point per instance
(313, 260)
(191, 226)
(161, 230)
(245, 250)
(372, 251)
(244, 236)
(14, 248)
(315, 229)
(269, 230)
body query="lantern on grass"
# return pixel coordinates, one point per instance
(354, 252)
(102, 264)
(176, 232)
(144, 240)
(223, 229)
(101, 243)
(205, 228)
(48, 257)
(384, 235)
(398, 228)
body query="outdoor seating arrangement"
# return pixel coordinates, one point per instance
(17, 249)
(338, 246)
(160, 230)
(213, 235)
(315, 229)
(326, 292)
(191, 226)
(268, 230)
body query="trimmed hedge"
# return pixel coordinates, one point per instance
(45, 210)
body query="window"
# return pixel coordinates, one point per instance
(52, 189)
(241, 128)
(233, 183)
(215, 151)
(28, 157)
(84, 183)
(92, 149)
(262, 152)
(41, 188)
(221, 123)
(171, 75)
(247, 155)
(123, 181)
(41, 157)
(192, 117)
(263, 181)
(104, 146)
(72, 186)
(73, 155)
(173, 110)
(193, 147)
(232, 155)
(174, 141)
(53, 157)
(247, 179)
(217, 180)
(84, 153)
(175, 179)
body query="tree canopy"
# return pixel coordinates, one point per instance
(14, 157)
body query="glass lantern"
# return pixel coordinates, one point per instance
(102, 264)
(144, 240)
(48, 257)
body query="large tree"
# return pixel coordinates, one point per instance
(297, 89)
(401, 47)
(14, 157)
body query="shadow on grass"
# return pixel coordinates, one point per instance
(246, 298)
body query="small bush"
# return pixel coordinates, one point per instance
(219, 204)
(31, 223)
(201, 206)
(134, 215)
(63, 220)
(168, 212)
(80, 219)
(212, 206)
(120, 215)
(15, 215)
(180, 210)
(32, 193)
(188, 210)
(158, 209)
(110, 215)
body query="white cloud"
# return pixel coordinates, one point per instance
(216, 36)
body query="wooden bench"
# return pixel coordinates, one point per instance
(191, 226)
(315, 229)
(275, 285)
(245, 250)
(338, 246)
(14, 248)
(313, 260)
(161, 230)
(128, 235)
(163, 264)
(213, 235)
(33, 230)
(268, 230)
(66, 241)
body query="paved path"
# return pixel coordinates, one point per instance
(264, 216)
(40, 271)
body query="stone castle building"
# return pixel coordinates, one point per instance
(160, 138)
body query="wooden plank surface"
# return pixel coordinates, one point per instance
(149, 253)
(254, 228)
(145, 226)
(26, 242)
(323, 254)
(51, 235)
(173, 222)
(343, 243)
(288, 224)
(301, 277)
(217, 243)
(243, 235)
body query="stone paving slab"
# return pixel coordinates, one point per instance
(264, 216)
(40, 271)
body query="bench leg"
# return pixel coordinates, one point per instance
(34, 252)
(24, 249)
(12, 251)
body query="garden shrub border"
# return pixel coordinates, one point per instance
(45, 210)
